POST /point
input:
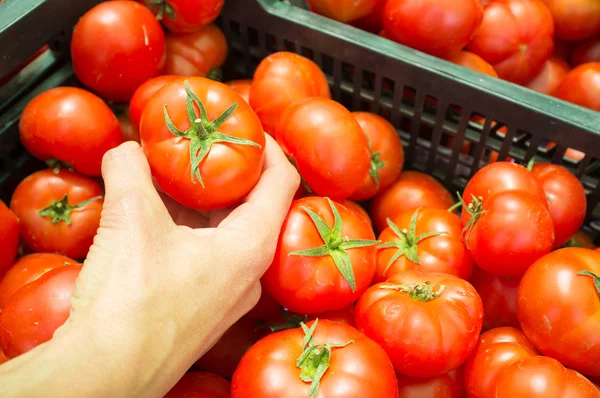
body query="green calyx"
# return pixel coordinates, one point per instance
(531, 163)
(60, 210)
(334, 244)
(407, 242)
(475, 209)
(422, 292)
(215, 74)
(315, 359)
(56, 165)
(376, 163)
(291, 321)
(161, 8)
(202, 132)
(595, 277)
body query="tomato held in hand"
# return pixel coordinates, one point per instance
(437, 27)
(585, 52)
(204, 143)
(575, 19)
(474, 62)
(428, 324)
(59, 212)
(516, 37)
(35, 311)
(144, 93)
(299, 76)
(117, 46)
(242, 87)
(199, 53)
(285, 364)
(200, 385)
(581, 86)
(9, 237)
(70, 125)
(449, 385)
(325, 258)
(345, 10)
(551, 75)
(307, 130)
(558, 305)
(387, 154)
(427, 239)
(185, 16)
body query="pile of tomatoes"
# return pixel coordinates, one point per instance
(378, 287)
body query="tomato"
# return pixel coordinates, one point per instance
(71, 125)
(242, 87)
(426, 239)
(358, 209)
(28, 269)
(283, 365)
(196, 54)
(129, 131)
(516, 37)
(3, 358)
(229, 143)
(345, 10)
(575, 19)
(265, 308)
(117, 46)
(585, 52)
(307, 130)
(325, 258)
(290, 320)
(496, 350)
(281, 79)
(566, 199)
(185, 16)
(142, 95)
(413, 23)
(428, 324)
(580, 239)
(36, 310)
(9, 237)
(551, 75)
(538, 376)
(558, 305)
(387, 154)
(59, 212)
(449, 385)
(581, 86)
(499, 297)
(200, 385)
(412, 190)
(474, 62)
(372, 22)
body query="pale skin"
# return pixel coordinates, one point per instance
(159, 286)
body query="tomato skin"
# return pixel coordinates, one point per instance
(142, 95)
(569, 306)
(474, 62)
(117, 46)
(566, 199)
(301, 77)
(575, 19)
(306, 130)
(72, 125)
(445, 253)
(28, 269)
(551, 75)
(371, 22)
(358, 209)
(37, 192)
(345, 10)
(410, 331)
(411, 22)
(129, 131)
(585, 52)
(312, 285)
(384, 140)
(200, 385)
(269, 370)
(265, 308)
(190, 15)
(449, 385)
(36, 310)
(581, 86)
(516, 37)
(229, 171)
(197, 53)
(412, 190)
(9, 237)
(581, 239)
(242, 87)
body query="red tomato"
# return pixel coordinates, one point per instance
(575, 19)
(372, 22)
(552, 74)
(143, 94)
(283, 365)
(580, 239)
(59, 212)
(185, 16)
(227, 161)
(516, 37)
(358, 209)
(558, 305)
(345, 315)
(387, 154)
(306, 131)
(566, 199)
(428, 324)
(426, 239)
(449, 385)
(474, 62)
(538, 376)
(200, 385)
(36, 310)
(412, 190)
(414, 23)
(71, 125)
(265, 308)
(3, 358)
(300, 77)
(585, 52)
(29, 269)
(117, 46)
(325, 258)
(129, 131)
(242, 87)
(344, 10)
(581, 86)
(496, 350)
(9, 237)
(196, 54)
